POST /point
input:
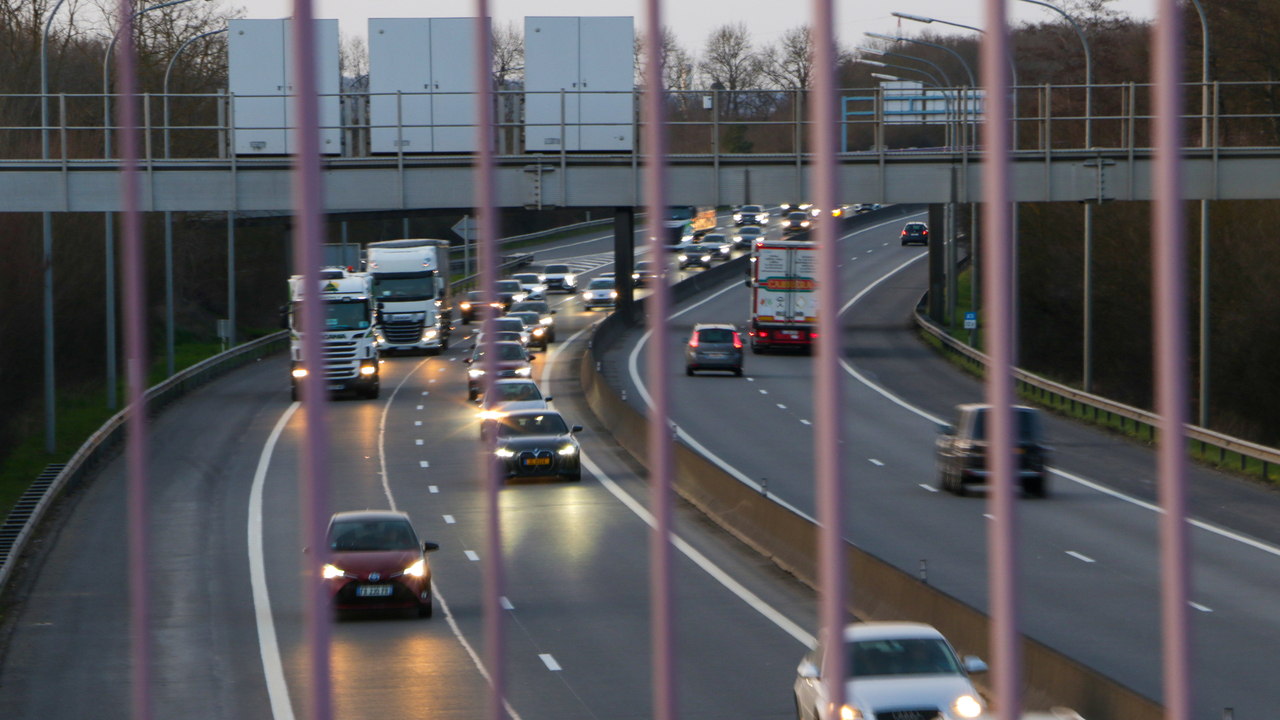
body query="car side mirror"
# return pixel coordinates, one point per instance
(575, 429)
(381, 305)
(807, 670)
(547, 399)
(946, 429)
(974, 664)
(748, 283)
(467, 360)
(430, 547)
(553, 312)
(532, 355)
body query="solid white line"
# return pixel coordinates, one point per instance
(1199, 607)
(472, 556)
(1082, 558)
(448, 519)
(876, 462)
(433, 488)
(930, 488)
(475, 658)
(881, 279)
(505, 603)
(268, 646)
(550, 662)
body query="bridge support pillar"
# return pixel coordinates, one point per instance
(624, 253)
(937, 262)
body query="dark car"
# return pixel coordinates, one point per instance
(962, 451)
(538, 333)
(377, 562)
(644, 274)
(513, 361)
(599, 293)
(510, 292)
(693, 254)
(470, 306)
(545, 315)
(796, 222)
(746, 236)
(750, 215)
(915, 232)
(538, 444)
(560, 278)
(713, 347)
(719, 244)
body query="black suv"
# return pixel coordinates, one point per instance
(962, 451)
(915, 232)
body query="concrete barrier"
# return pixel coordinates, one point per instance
(880, 591)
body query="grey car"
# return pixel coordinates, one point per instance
(713, 347)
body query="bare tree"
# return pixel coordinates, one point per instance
(508, 53)
(729, 62)
(353, 57)
(789, 64)
(678, 64)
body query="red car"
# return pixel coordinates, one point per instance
(377, 562)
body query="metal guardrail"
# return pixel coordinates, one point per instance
(112, 432)
(1106, 412)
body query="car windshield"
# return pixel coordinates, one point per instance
(371, 536)
(403, 286)
(797, 216)
(601, 284)
(505, 352)
(750, 231)
(509, 286)
(907, 656)
(547, 424)
(915, 227)
(526, 279)
(526, 318)
(557, 270)
(751, 209)
(713, 238)
(715, 335)
(644, 266)
(503, 336)
(1028, 425)
(538, 307)
(516, 392)
(475, 296)
(338, 316)
(680, 213)
(509, 324)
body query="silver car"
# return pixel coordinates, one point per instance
(892, 670)
(713, 347)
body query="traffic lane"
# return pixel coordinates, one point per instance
(67, 651)
(598, 241)
(577, 582)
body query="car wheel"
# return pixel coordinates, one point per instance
(737, 371)
(373, 392)
(444, 343)
(466, 320)
(688, 371)
(471, 394)
(293, 393)
(425, 609)
(1037, 488)
(573, 477)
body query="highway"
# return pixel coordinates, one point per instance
(1089, 552)
(226, 591)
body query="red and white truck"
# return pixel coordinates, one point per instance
(784, 295)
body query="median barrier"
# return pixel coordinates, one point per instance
(879, 591)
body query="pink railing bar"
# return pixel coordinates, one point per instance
(997, 248)
(658, 305)
(823, 108)
(1168, 232)
(487, 220)
(308, 205)
(135, 346)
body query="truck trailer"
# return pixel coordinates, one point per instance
(411, 288)
(784, 297)
(350, 360)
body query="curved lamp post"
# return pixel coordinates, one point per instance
(50, 399)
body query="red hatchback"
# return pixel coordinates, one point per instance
(377, 562)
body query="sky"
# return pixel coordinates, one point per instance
(692, 20)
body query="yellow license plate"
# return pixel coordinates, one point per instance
(538, 461)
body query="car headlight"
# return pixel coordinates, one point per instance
(430, 335)
(504, 453)
(299, 372)
(465, 306)
(706, 258)
(417, 569)
(682, 258)
(518, 297)
(587, 296)
(492, 415)
(804, 224)
(850, 713)
(331, 572)
(568, 450)
(737, 217)
(613, 294)
(539, 288)
(524, 372)
(475, 373)
(967, 707)
(635, 276)
(547, 320)
(539, 332)
(368, 369)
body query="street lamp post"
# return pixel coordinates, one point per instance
(1204, 223)
(935, 66)
(50, 395)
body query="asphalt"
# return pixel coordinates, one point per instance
(1089, 559)
(575, 555)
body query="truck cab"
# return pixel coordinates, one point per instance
(411, 288)
(350, 361)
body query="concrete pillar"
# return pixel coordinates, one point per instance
(624, 253)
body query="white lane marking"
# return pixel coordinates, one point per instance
(424, 392)
(805, 422)
(550, 662)
(930, 488)
(751, 379)
(475, 658)
(268, 646)
(989, 516)
(424, 463)
(876, 462)
(430, 381)
(433, 488)
(472, 556)
(417, 442)
(420, 407)
(844, 308)
(448, 520)
(505, 603)
(417, 422)
(1080, 557)
(780, 405)
(764, 392)
(382, 433)
(886, 244)
(871, 251)
(1199, 607)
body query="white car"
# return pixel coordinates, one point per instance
(894, 671)
(559, 277)
(534, 285)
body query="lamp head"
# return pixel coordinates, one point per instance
(914, 18)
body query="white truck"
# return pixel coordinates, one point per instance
(784, 298)
(411, 288)
(350, 355)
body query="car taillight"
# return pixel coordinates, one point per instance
(737, 342)
(764, 333)
(924, 232)
(813, 335)
(693, 341)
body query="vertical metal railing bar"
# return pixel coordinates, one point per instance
(492, 571)
(135, 371)
(662, 619)
(313, 478)
(1002, 531)
(827, 395)
(1168, 232)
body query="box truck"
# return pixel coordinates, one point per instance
(784, 297)
(411, 288)
(350, 359)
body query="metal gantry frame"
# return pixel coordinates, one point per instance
(1170, 330)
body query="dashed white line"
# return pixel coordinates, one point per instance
(420, 407)
(764, 392)
(780, 405)
(433, 489)
(424, 392)
(989, 516)
(876, 462)
(928, 487)
(424, 463)
(886, 244)
(505, 603)
(1199, 607)
(472, 556)
(751, 379)
(417, 442)
(1080, 557)
(430, 381)
(550, 662)
(805, 422)
(417, 422)
(448, 520)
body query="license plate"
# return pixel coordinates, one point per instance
(537, 461)
(336, 387)
(373, 591)
(789, 333)
(715, 356)
(401, 318)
